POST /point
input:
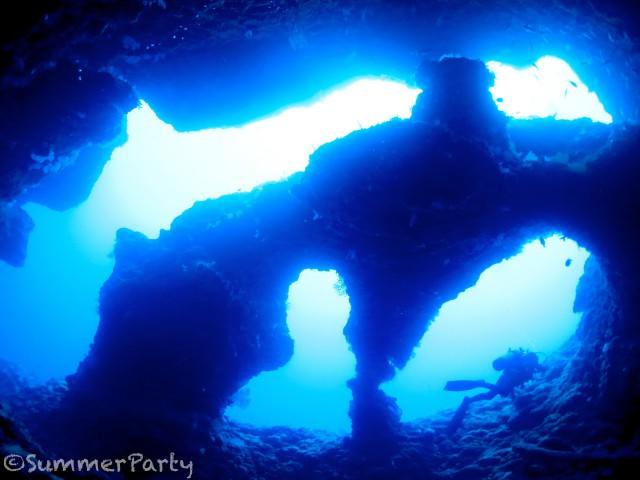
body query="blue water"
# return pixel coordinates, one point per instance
(48, 308)
(309, 391)
(503, 310)
(523, 302)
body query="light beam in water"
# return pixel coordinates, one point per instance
(160, 172)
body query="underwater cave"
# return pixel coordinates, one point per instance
(310, 240)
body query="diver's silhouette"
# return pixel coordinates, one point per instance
(518, 367)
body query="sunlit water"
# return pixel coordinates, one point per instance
(523, 302)
(160, 172)
(309, 391)
(48, 308)
(548, 88)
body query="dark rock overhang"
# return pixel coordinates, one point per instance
(76, 65)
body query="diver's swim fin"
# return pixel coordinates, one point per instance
(464, 385)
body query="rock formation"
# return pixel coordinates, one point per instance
(409, 213)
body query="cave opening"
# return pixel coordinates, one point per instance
(144, 188)
(205, 335)
(547, 88)
(526, 301)
(157, 174)
(320, 240)
(310, 391)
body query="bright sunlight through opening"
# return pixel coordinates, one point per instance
(523, 302)
(548, 88)
(160, 172)
(310, 391)
(156, 175)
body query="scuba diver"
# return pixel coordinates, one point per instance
(517, 366)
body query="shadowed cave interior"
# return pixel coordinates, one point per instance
(404, 215)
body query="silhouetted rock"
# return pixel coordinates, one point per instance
(43, 126)
(190, 60)
(409, 213)
(455, 94)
